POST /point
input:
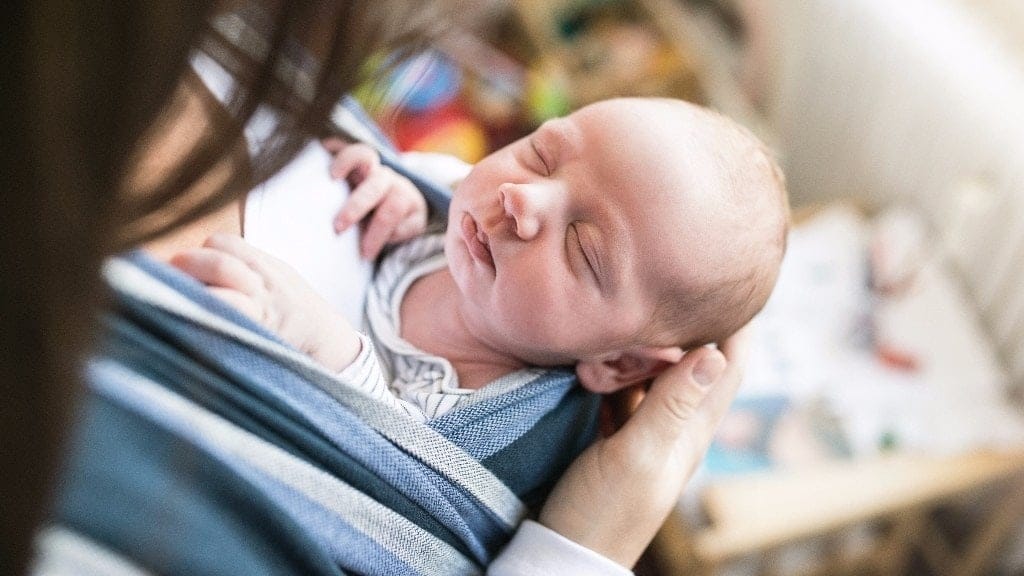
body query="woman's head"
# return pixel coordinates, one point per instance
(87, 82)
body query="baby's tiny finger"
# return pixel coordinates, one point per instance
(382, 227)
(363, 199)
(229, 243)
(411, 226)
(354, 162)
(236, 246)
(333, 144)
(239, 301)
(414, 210)
(261, 264)
(218, 269)
(374, 238)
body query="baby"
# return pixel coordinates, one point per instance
(611, 240)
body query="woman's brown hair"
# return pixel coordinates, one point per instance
(84, 83)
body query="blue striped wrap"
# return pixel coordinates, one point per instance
(208, 446)
(205, 445)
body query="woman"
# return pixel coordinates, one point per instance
(99, 187)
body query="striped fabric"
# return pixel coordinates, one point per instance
(418, 383)
(208, 446)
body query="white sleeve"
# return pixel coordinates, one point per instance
(291, 217)
(365, 373)
(536, 550)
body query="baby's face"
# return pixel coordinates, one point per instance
(560, 241)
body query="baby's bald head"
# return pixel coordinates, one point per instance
(747, 220)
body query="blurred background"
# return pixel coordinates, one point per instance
(880, 428)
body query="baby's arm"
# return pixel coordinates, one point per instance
(274, 295)
(390, 207)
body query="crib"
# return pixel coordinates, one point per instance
(916, 104)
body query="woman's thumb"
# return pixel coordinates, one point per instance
(675, 405)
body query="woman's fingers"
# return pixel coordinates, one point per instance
(736, 351)
(676, 395)
(685, 403)
(736, 348)
(618, 407)
(695, 393)
(617, 494)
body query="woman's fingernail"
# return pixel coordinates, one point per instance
(709, 369)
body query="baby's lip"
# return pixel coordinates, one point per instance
(476, 241)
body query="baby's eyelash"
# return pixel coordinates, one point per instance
(579, 245)
(543, 161)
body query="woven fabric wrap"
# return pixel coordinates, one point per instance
(208, 446)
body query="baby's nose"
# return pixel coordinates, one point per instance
(522, 204)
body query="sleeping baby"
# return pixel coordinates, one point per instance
(611, 240)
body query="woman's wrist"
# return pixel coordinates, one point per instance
(607, 503)
(536, 549)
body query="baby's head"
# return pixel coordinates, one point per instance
(739, 240)
(617, 237)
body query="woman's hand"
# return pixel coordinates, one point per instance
(274, 295)
(615, 496)
(399, 211)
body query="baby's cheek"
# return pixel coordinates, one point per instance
(546, 324)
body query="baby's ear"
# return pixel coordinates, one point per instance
(620, 370)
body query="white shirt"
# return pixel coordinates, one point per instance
(291, 215)
(395, 372)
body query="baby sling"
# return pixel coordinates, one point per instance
(205, 445)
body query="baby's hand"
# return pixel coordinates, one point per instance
(274, 295)
(399, 210)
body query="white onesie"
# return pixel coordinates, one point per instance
(420, 384)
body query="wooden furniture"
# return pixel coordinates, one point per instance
(892, 105)
(879, 100)
(897, 505)
(759, 514)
